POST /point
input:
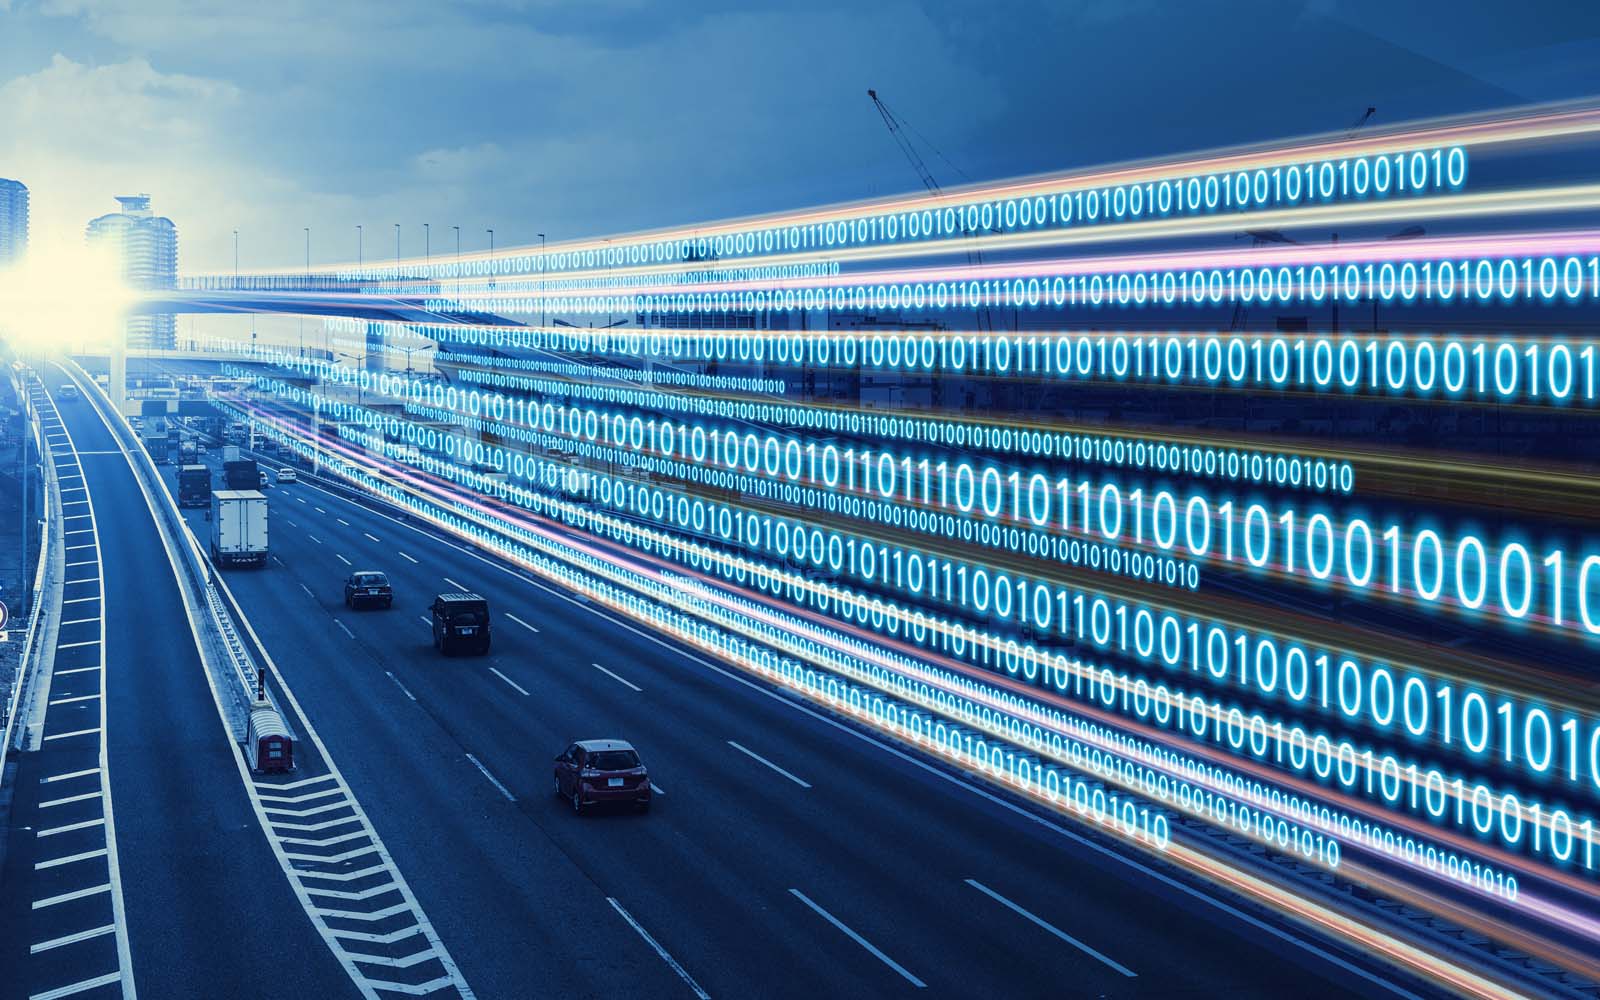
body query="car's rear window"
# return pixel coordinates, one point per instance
(613, 760)
(371, 579)
(465, 613)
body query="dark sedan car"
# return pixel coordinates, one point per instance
(367, 587)
(592, 772)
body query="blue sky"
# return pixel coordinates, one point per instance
(582, 119)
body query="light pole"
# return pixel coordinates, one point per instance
(410, 350)
(302, 317)
(543, 266)
(360, 257)
(427, 245)
(362, 359)
(397, 244)
(26, 394)
(491, 258)
(458, 263)
(236, 259)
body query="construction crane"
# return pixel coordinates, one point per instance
(897, 131)
(1259, 236)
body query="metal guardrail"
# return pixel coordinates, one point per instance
(31, 648)
(217, 604)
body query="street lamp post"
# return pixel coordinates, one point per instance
(26, 393)
(302, 317)
(427, 245)
(458, 263)
(543, 266)
(360, 256)
(397, 243)
(491, 260)
(410, 350)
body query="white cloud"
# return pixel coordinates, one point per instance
(78, 135)
(462, 163)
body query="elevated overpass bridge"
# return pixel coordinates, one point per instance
(282, 294)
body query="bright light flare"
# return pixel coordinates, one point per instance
(64, 294)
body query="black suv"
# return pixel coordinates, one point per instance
(460, 622)
(367, 586)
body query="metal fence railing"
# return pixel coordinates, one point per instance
(31, 648)
(213, 603)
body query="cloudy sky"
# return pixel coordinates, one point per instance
(598, 116)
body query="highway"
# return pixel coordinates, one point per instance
(133, 855)
(788, 854)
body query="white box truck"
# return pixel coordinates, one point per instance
(238, 527)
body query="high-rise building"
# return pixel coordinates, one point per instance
(13, 221)
(148, 246)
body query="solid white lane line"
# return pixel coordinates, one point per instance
(407, 557)
(508, 680)
(68, 701)
(492, 779)
(69, 859)
(70, 774)
(71, 939)
(403, 689)
(341, 559)
(614, 677)
(672, 963)
(40, 904)
(75, 732)
(71, 798)
(52, 831)
(1045, 925)
(858, 939)
(344, 628)
(373, 537)
(76, 988)
(458, 586)
(757, 757)
(519, 621)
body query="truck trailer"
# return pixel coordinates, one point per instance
(241, 474)
(238, 527)
(194, 485)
